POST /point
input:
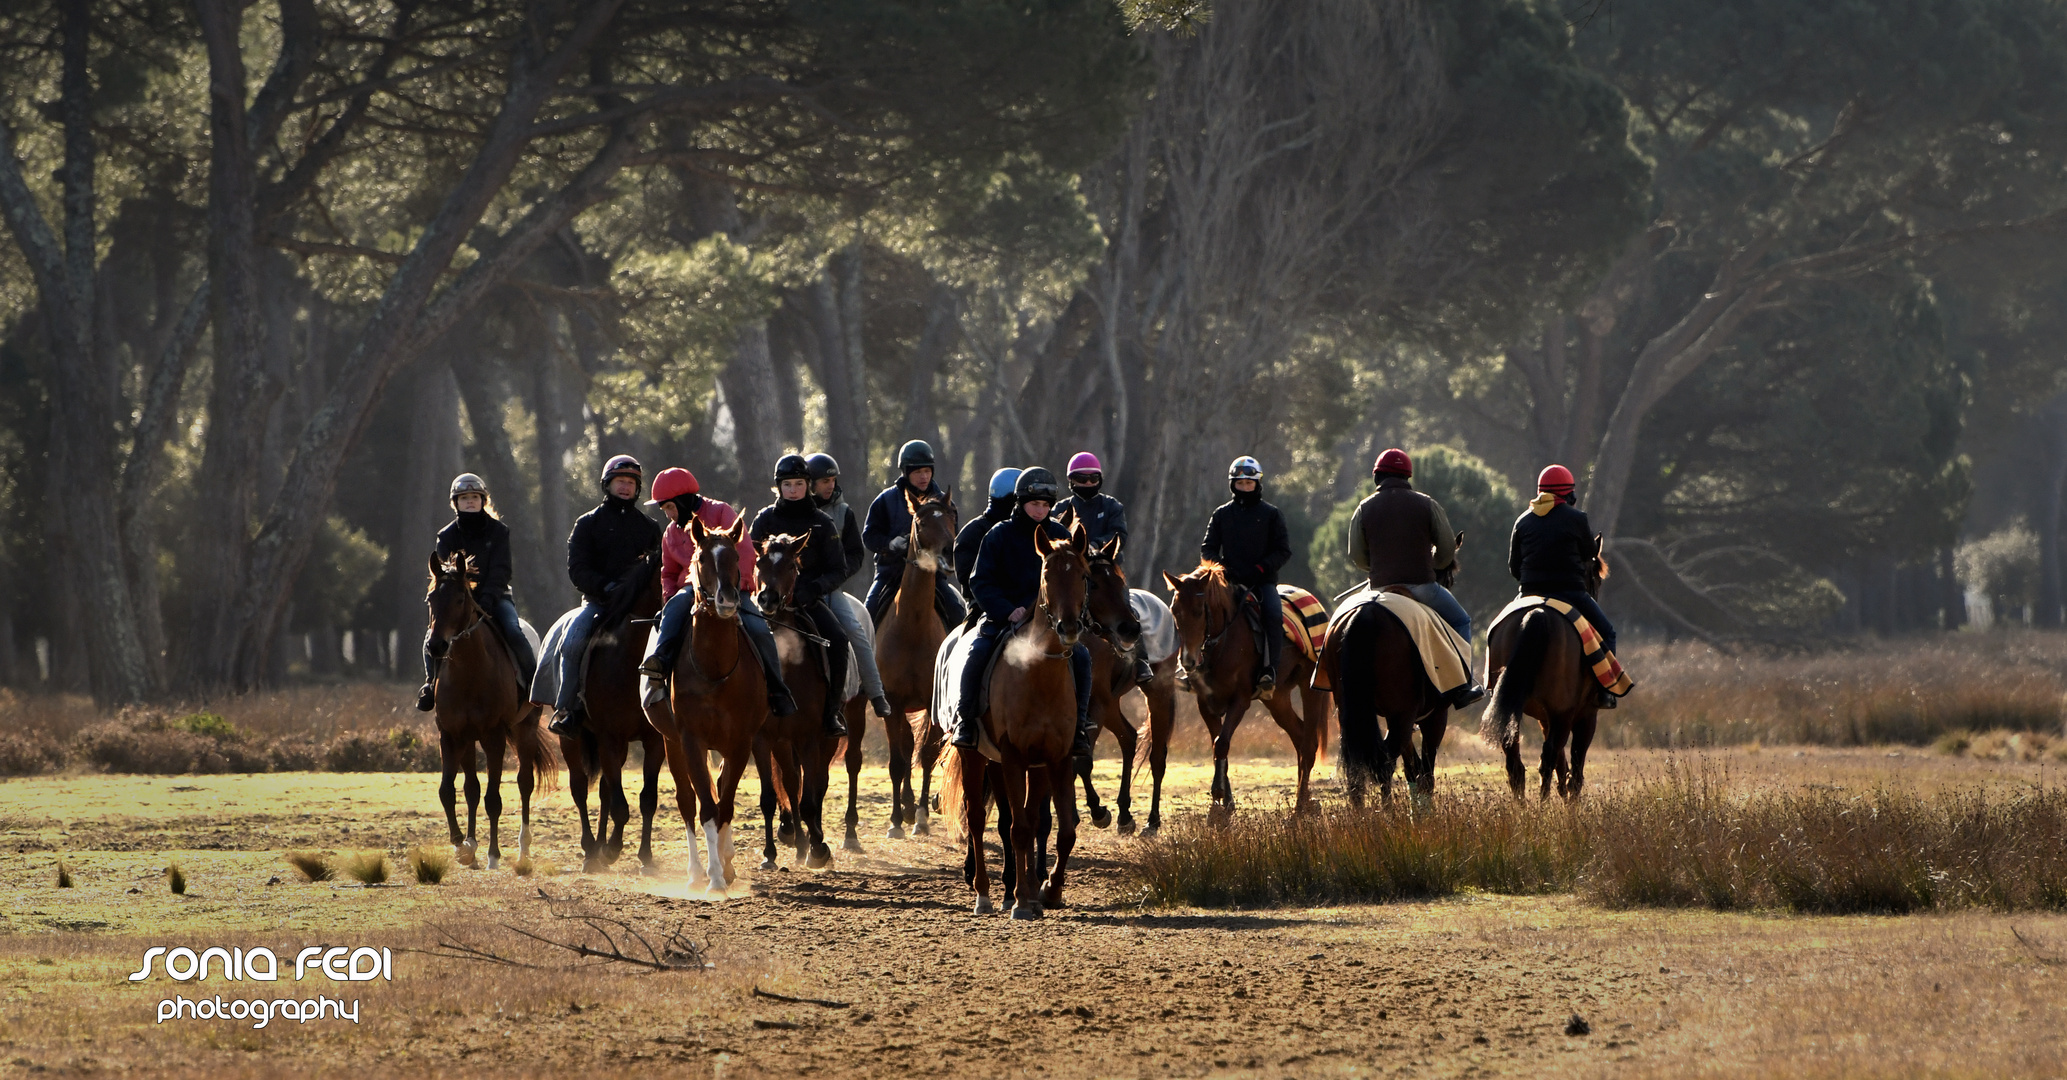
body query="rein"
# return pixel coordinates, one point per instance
(1212, 641)
(707, 604)
(1104, 632)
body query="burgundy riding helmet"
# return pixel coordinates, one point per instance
(1393, 462)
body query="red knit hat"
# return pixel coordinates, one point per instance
(1555, 479)
(1394, 461)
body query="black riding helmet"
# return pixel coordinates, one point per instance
(819, 466)
(914, 455)
(1036, 484)
(790, 467)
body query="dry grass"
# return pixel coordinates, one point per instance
(429, 866)
(64, 875)
(176, 879)
(366, 867)
(311, 865)
(1684, 840)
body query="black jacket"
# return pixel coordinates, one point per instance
(1102, 515)
(970, 540)
(889, 520)
(1248, 537)
(1008, 567)
(1551, 552)
(487, 542)
(605, 543)
(824, 563)
(848, 526)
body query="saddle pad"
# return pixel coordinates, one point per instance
(1445, 655)
(545, 685)
(1306, 620)
(1158, 625)
(1605, 667)
(947, 686)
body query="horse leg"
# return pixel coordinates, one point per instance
(491, 801)
(1433, 727)
(1100, 816)
(578, 787)
(1065, 842)
(1553, 754)
(693, 792)
(1123, 733)
(1162, 722)
(1025, 903)
(929, 745)
(528, 749)
(857, 726)
(473, 788)
(614, 810)
(898, 730)
(1223, 741)
(792, 781)
(973, 813)
(764, 770)
(1582, 737)
(448, 794)
(728, 792)
(650, 744)
(1304, 744)
(1044, 822)
(1010, 858)
(817, 779)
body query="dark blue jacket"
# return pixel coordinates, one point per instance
(889, 519)
(487, 542)
(605, 543)
(970, 540)
(824, 565)
(1008, 568)
(1248, 537)
(1102, 515)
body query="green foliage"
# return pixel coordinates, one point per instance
(343, 565)
(2004, 566)
(1477, 501)
(206, 724)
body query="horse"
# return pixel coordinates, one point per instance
(1377, 672)
(1032, 722)
(1115, 635)
(1538, 668)
(792, 754)
(717, 700)
(480, 700)
(907, 642)
(616, 719)
(1217, 652)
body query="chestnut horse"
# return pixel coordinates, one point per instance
(480, 700)
(717, 700)
(907, 643)
(1218, 653)
(1032, 720)
(616, 719)
(1115, 636)
(792, 754)
(1538, 668)
(1377, 672)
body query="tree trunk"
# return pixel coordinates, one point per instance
(434, 459)
(846, 432)
(921, 420)
(2053, 492)
(555, 431)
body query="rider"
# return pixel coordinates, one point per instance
(827, 496)
(1247, 538)
(888, 534)
(679, 496)
(1007, 584)
(1002, 500)
(1104, 519)
(1402, 537)
(476, 532)
(823, 567)
(1552, 551)
(604, 544)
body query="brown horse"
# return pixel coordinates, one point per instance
(1218, 653)
(1115, 635)
(480, 701)
(907, 642)
(1377, 672)
(1538, 668)
(1032, 720)
(717, 700)
(792, 753)
(616, 719)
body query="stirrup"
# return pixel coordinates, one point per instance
(1607, 699)
(565, 723)
(427, 698)
(653, 667)
(1266, 686)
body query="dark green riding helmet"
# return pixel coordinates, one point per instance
(914, 455)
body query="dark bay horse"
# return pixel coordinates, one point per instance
(1538, 668)
(1377, 672)
(1032, 720)
(792, 754)
(480, 701)
(616, 719)
(1219, 652)
(1115, 635)
(907, 643)
(717, 700)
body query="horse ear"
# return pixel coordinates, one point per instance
(436, 566)
(696, 529)
(803, 541)
(1169, 581)
(1042, 543)
(1078, 538)
(1460, 540)
(911, 505)
(737, 533)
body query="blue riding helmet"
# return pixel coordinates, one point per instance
(1002, 483)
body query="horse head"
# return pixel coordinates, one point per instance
(781, 561)
(1597, 571)
(1197, 598)
(1064, 568)
(450, 599)
(715, 574)
(933, 522)
(1111, 605)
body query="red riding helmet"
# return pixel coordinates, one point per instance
(673, 483)
(1393, 461)
(1555, 479)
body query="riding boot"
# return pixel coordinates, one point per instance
(427, 698)
(657, 666)
(966, 731)
(1087, 728)
(835, 726)
(568, 721)
(1471, 693)
(1143, 674)
(1267, 683)
(1607, 698)
(881, 705)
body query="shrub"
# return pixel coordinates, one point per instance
(209, 724)
(311, 865)
(399, 749)
(295, 753)
(429, 867)
(367, 867)
(64, 875)
(30, 753)
(177, 879)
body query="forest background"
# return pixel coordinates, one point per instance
(1782, 282)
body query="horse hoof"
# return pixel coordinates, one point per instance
(768, 863)
(819, 858)
(1101, 818)
(494, 861)
(896, 832)
(463, 854)
(983, 906)
(936, 804)
(1051, 900)
(715, 893)
(922, 829)
(853, 844)
(1024, 913)
(1126, 825)
(1150, 832)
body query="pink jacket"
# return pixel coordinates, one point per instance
(678, 548)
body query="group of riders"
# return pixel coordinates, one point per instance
(1399, 536)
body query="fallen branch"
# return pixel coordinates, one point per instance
(822, 1002)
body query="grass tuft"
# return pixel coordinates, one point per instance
(367, 867)
(311, 865)
(64, 875)
(524, 866)
(177, 879)
(430, 867)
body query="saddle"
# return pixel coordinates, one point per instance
(1606, 669)
(1445, 656)
(947, 682)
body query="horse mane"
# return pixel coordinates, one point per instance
(1210, 571)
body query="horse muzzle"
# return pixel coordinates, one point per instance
(438, 647)
(1070, 633)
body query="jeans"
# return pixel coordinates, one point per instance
(674, 622)
(946, 598)
(864, 647)
(1589, 607)
(1273, 622)
(1435, 596)
(988, 634)
(502, 613)
(572, 649)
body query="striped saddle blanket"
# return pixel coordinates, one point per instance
(1306, 620)
(1605, 667)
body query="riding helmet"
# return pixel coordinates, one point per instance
(914, 455)
(673, 484)
(1035, 485)
(819, 466)
(791, 467)
(622, 465)
(1245, 468)
(1393, 462)
(467, 483)
(1004, 483)
(1555, 479)
(1086, 462)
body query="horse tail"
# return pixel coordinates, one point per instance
(1319, 701)
(951, 806)
(1501, 725)
(535, 750)
(1356, 696)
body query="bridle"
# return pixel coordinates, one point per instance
(480, 613)
(1055, 621)
(1211, 642)
(707, 604)
(1104, 632)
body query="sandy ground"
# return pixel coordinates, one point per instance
(1478, 985)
